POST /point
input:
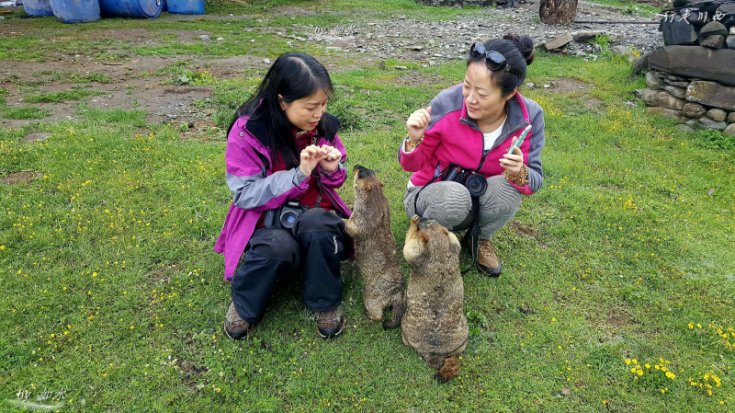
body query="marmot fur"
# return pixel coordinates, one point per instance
(434, 323)
(375, 249)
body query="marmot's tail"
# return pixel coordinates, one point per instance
(397, 311)
(448, 370)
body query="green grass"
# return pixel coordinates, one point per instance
(114, 296)
(61, 96)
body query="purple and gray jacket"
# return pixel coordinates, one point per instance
(256, 188)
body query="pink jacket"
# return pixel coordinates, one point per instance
(256, 188)
(452, 137)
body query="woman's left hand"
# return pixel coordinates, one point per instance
(514, 161)
(330, 159)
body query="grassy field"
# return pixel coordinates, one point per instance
(618, 283)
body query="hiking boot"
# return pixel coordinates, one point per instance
(488, 261)
(330, 323)
(235, 327)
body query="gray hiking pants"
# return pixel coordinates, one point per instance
(450, 204)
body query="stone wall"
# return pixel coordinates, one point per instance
(694, 102)
(692, 78)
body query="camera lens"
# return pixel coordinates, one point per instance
(288, 218)
(476, 184)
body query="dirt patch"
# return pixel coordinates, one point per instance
(18, 178)
(524, 229)
(37, 136)
(161, 274)
(619, 319)
(412, 78)
(134, 84)
(570, 85)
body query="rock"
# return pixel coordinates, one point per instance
(204, 37)
(684, 128)
(713, 42)
(584, 37)
(711, 94)
(693, 61)
(729, 130)
(732, 30)
(730, 42)
(647, 95)
(641, 64)
(678, 92)
(665, 100)
(693, 123)
(653, 81)
(713, 29)
(669, 113)
(717, 115)
(693, 110)
(621, 50)
(711, 124)
(682, 84)
(530, 85)
(678, 32)
(267, 61)
(731, 117)
(559, 42)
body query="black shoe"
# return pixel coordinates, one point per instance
(330, 323)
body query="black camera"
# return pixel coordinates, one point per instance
(285, 216)
(474, 182)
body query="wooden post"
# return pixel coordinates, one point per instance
(557, 11)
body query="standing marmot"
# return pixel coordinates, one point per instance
(375, 249)
(434, 323)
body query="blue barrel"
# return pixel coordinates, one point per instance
(185, 6)
(38, 8)
(147, 9)
(76, 11)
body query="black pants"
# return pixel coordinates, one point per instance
(315, 247)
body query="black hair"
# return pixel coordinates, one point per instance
(293, 76)
(518, 53)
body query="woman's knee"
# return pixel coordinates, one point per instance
(275, 244)
(319, 220)
(447, 202)
(500, 196)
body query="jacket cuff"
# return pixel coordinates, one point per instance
(298, 177)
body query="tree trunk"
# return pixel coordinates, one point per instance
(557, 11)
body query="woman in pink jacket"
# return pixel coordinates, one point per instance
(284, 160)
(466, 172)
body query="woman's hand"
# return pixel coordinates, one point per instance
(512, 162)
(417, 123)
(309, 158)
(331, 158)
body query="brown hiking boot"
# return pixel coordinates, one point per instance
(330, 323)
(488, 261)
(235, 327)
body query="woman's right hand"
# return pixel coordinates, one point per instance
(309, 158)
(417, 123)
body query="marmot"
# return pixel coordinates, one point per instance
(375, 249)
(434, 323)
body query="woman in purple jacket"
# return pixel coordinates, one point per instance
(466, 174)
(284, 160)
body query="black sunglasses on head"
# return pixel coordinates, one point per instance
(493, 59)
